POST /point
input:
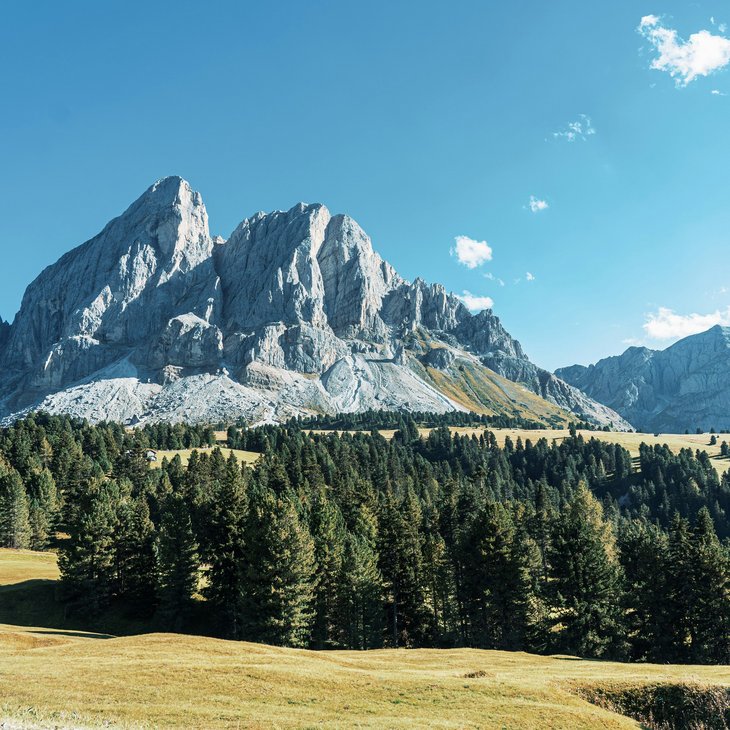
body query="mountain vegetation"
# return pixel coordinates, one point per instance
(354, 541)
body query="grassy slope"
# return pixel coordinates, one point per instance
(163, 680)
(481, 390)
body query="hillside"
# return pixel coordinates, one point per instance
(295, 313)
(685, 387)
(56, 678)
(631, 441)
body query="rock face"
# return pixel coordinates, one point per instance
(684, 387)
(294, 313)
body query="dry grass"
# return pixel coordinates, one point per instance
(244, 457)
(163, 680)
(17, 566)
(70, 679)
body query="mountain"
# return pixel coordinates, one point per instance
(295, 313)
(684, 387)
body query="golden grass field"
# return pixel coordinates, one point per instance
(244, 457)
(63, 679)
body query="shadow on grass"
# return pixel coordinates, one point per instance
(81, 634)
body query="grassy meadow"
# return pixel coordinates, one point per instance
(62, 679)
(243, 457)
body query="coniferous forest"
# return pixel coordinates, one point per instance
(361, 542)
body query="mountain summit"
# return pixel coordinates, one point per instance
(684, 387)
(295, 313)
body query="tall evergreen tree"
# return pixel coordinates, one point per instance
(585, 580)
(15, 529)
(177, 554)
(227, 549)
(710, 604)
(278, 572)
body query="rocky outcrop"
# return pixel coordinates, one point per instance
(684, 387)
(294, 313)
(4, 334)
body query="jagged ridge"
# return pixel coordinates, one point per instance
(294, 313)
(684, 387)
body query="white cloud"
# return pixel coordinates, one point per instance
(665, 324)
(581, 128)
(717, 92)
(471, 253)
(475, 303)
(489, 275)
(702, 54)
(529, 276)
(536, 205)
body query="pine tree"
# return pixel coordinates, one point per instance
(278, 572)
(710, 605)
(15, 530)
(496, 581)
(585, 579)
(226, 549)
(177, 554)
(87, 558)
(328, 533)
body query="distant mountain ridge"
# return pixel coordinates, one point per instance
(153, 319)
(684, 387)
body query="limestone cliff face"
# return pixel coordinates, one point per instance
(686, 386)
(294, 313)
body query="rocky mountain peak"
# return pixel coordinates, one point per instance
(295, 310)
(685, 386)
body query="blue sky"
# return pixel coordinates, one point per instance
(424, 121)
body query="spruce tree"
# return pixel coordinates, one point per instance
(226, 549)
(87, 557)
(401, 563)
(710, 603)
(15, 529)
(278, 572)
(328, 533)
(136, 559)
(177, 556)
(496, 581)
(585, 580)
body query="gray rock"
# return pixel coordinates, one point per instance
(684, 387)
(294, 313)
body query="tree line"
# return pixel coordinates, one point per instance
(361, 542)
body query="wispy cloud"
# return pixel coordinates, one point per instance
(536, 205)
(471, 253)
(475, 303)
(581, 128)
(529, 276)
(722, 27)
(489, 275)
(700, 55)
(717, 92)
(665, 324)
